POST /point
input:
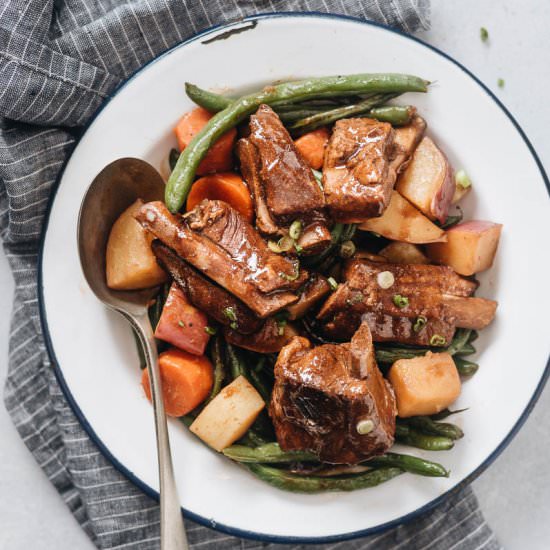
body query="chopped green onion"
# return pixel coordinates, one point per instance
(365, 426)
(332, 282)
(400, 301)
(181, 324)
(210, 330)
(318, 178)
(385, 279)
(298, 248)
(281, 324)
(484, 34)
(233, 325)
(274, 247)
(294, 276)
(285, 243)
(462, 179)
(500, 82)
(295, 229)
(229, 312)
(419, 323)
(347, 249)
(437, 340)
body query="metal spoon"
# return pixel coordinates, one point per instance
(117, 186)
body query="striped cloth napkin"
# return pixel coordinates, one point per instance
(59, 61)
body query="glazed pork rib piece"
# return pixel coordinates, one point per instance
(358, 176)
(282, 184)
(204, 294)
(435, 294)
(222, 245)
(332, 400)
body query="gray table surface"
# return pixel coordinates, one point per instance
(515, 491)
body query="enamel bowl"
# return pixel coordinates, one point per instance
(93, 349)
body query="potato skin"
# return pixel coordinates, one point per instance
(428, 181)
(130, 263)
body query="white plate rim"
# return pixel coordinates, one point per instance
(237, 532)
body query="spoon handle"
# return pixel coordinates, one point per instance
(172, 530)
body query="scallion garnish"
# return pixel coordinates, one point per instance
(400, 301)
(437, 340)
(419, 323)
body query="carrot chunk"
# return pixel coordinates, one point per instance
(186, 380)
(224, 186)
(312, 146)
(220, 156)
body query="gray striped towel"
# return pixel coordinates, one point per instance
(59, 61)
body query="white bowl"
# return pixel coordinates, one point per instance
(93, 349)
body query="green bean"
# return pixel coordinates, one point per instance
(256, 380)
(466, 349)
(412, 437)
(396, 115)
(464, 367)
(312, 484)
(328, 117)
(474, 335)
(270, 453)
(219, 369)
(209, 100)
(428, 426)
(445, 413)
(388, 355)
(181, 178)
(409, 463)
(459, 340)
(236, 366)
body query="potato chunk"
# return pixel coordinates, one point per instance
(424, 385)
(130, 263)
(229, 415)
(470, 248)
(428, 181)
(403, 253)
(403, 222)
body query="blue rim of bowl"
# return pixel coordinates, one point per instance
(149, 490)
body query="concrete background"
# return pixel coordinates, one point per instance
(515, 491)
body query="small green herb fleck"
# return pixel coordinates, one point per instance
(400, 301)
(233, 325)
(419, 323)
(229, 312)
(332, 282)
(437, 340)
(500, 82)
(210, 330)
(181, 324)
(484, 34)
(281, 324)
